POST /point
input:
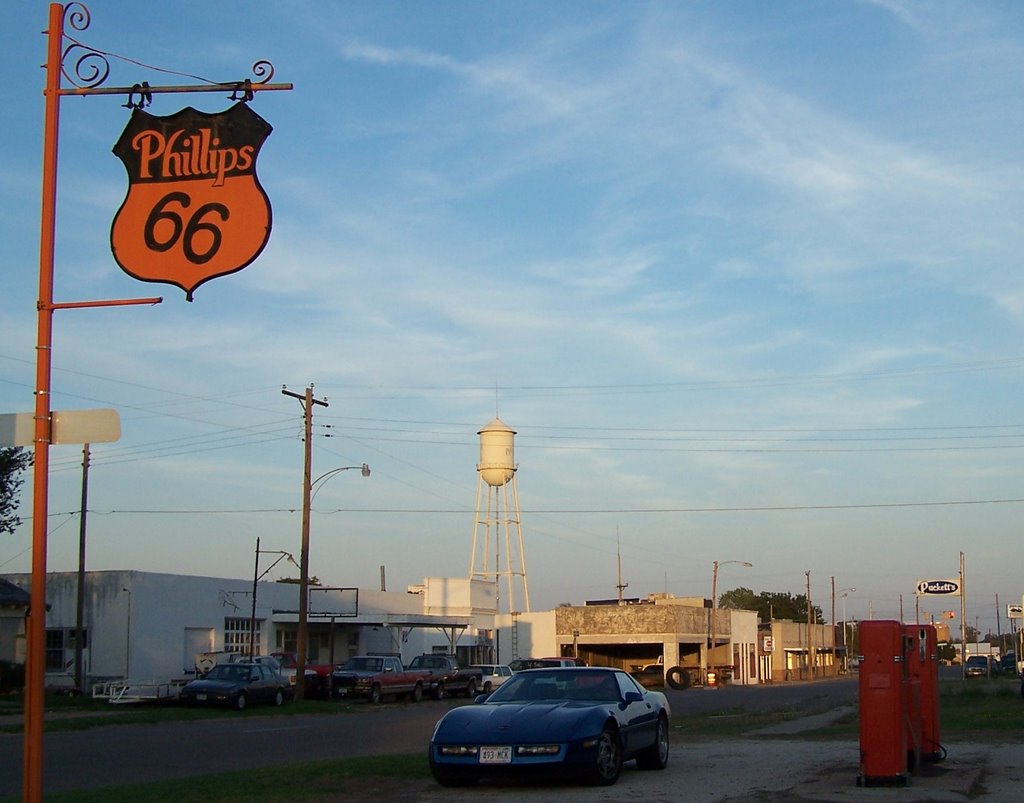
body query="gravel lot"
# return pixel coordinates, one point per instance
(770, 770)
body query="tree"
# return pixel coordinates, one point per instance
(771, 605)
(12, 463)
(739, 599)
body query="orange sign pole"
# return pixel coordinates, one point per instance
(32, 767)
(35, 658)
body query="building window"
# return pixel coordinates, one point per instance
(60, 648)
(287, 639)
(237, 632)
(55, 650)
(317, 643)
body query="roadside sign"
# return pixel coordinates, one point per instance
(66, 426)
(1015, 611)
(195, 209)
(938, 588)
(768, 644)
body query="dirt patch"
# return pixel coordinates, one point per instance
(751, 771)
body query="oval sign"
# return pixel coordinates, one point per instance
(938, 587)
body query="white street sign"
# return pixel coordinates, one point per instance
(67, 426)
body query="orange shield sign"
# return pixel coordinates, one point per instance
(194, 209)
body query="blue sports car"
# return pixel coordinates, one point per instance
(584, 720)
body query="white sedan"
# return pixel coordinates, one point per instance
(493, 675)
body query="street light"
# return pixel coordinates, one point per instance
(844, 593)
(256, 577)
(363, 469)
(302, 635)
(714, 595)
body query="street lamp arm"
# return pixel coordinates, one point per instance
(321, 480)
(281, 556)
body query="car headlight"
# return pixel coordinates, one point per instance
(458, 750)
(538, 750)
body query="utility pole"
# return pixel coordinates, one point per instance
(80, 607)
(963, 621)
(620, 585)
(301, 637)
(832, 621)
(810, 640)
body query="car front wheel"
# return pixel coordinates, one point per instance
(439, 692)
(240, 702)
(279, 697)
(608, 763)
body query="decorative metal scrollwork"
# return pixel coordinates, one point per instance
(263, 70)
(90, 66)
(243, 90)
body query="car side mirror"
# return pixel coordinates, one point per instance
(254, 676)
(481, 698)
(633, 697)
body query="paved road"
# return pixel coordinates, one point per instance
(122, 754)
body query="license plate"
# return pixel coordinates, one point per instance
(201, 697)
(496, 755)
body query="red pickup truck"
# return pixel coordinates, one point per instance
(374, 676)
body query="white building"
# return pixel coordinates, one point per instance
(150, 626)
(146, 625)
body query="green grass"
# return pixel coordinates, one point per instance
(982, 709)
(340, 779)
(69, 713)
(731, 723)
(971, 710)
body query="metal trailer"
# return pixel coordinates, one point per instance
(137, 691)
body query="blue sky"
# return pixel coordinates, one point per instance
(744, 277)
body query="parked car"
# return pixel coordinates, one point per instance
(1008, 663)
(237, 685)
(563, 720)
(519, 664)
(374, 676)
(445, 676)
(492, 675)
(979, 666)
(650, 676)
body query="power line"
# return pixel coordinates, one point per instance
(570, 511)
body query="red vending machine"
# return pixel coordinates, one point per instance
(923, 668)
(884, 704)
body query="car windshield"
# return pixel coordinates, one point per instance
(363, 664)
(554, 685)
(229, 672)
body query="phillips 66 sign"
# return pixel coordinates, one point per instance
(194, 209)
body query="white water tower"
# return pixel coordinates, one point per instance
(497, 533)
